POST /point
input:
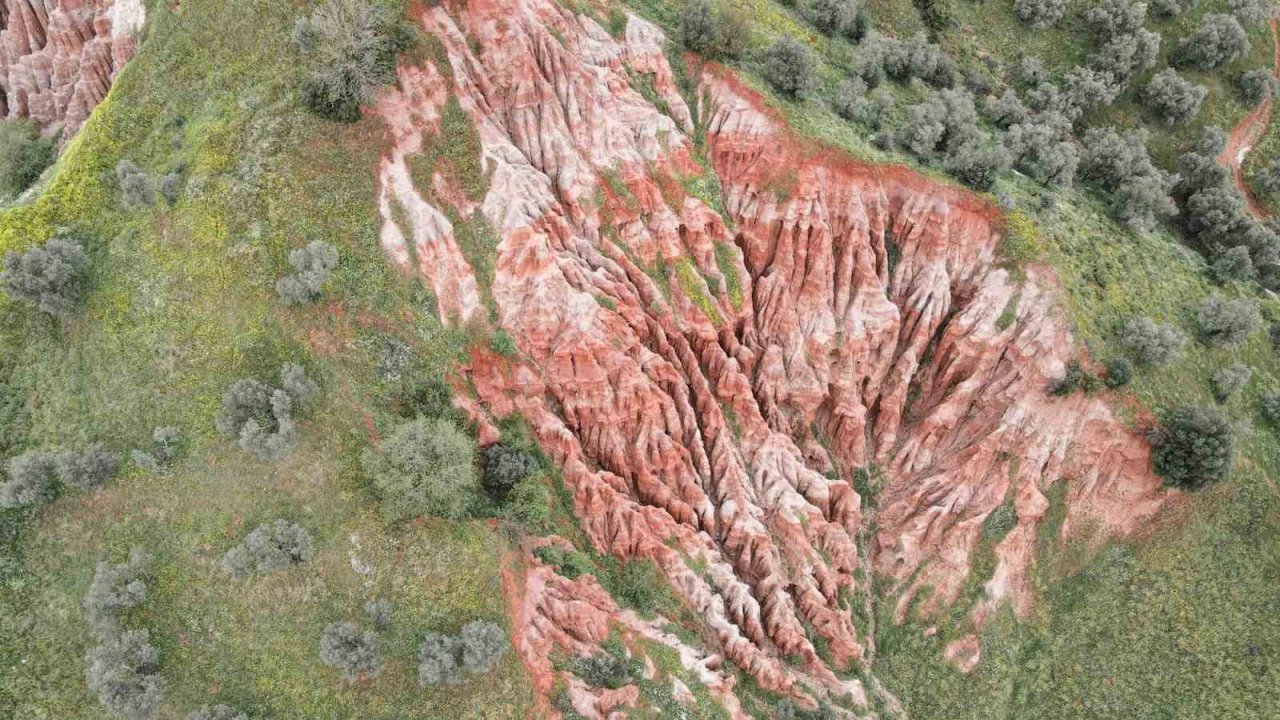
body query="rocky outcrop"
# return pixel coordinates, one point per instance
(59, 57)
(713, 347)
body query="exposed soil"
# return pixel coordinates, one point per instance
(1246, 134)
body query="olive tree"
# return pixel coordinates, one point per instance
(425, 467)
(31, 480)
(482, 643)
(1173, 99)
(1218, 40)
(351, 48)
(312, 267)
(48, 277)
(790, 67)
(1226, 322)
(123, 671)
(276, 545)
(353, 652)
(1151, 343)
(438, 660)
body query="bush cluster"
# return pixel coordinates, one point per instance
(47, 277)
(312, 267)
(443, 658)
(276, 545)
(351, 47)
(23, 155)
(259, 417)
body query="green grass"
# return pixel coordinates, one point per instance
(181, 303)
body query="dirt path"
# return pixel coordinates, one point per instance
(1246, 135)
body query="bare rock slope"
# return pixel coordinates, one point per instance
(58, 57)
(719, 327)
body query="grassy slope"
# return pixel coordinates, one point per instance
(181, 304)
(1180, 623)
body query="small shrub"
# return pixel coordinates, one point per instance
(1075, 378)
(1227, 322)
(48, 277)
(504, 466)
(217, 712)
(1230, 380)
(790, 67)
(1119, 372)
(115, 589)
(277, 545)
(1218, 40)
(87, 470)
(166, 444)
(379, 613)
(1152, 344)
(1193, 447)
(312, 267)
(426, 467)
(602, 670)
(1269, 405)
(569, 563)
(23, 155)
(351, 48)
(1173, 99)
(136, 189)
(482, 643)
(438, 661)
(353, 652)
(171, 190)
(30, 482)
(123, 671)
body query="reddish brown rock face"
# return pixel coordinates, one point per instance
(58, 57)
(710, 382)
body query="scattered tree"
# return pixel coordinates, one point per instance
(1270, 406)
(23, 155)
(1227, 322)
(48, 277)
(1193, 447)
(312, 267)
(30, 480)
(1152, 344)
(1172, 98)
(1230, 380)
(1217, 41)
(426, 467)
(353, 652)
(87, 470)
(351, 47)
(790, 67)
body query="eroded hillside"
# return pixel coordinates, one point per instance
(721, 326)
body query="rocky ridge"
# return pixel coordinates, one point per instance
(59, 57)
(722, 329)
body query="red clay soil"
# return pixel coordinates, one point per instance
(1246, 135)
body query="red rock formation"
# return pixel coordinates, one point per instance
(58, 57)
(709, 383)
